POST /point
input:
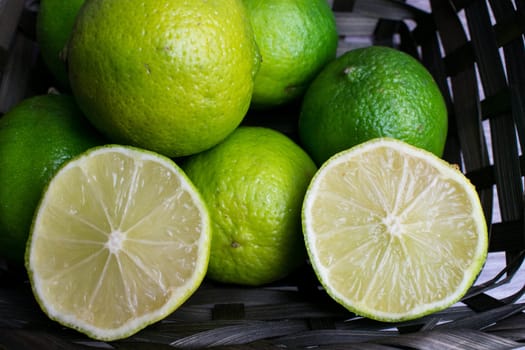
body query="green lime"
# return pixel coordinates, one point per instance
(55, 21)
(393, 231)
(253, 183)
(174, 77)
(372, 92)
(296, 38)
(121, 238)
(36, 137)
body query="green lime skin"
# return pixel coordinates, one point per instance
(174, 77)
(253, 184)
(36, 137)
(296, 39)
(54, 24)
(372, 92)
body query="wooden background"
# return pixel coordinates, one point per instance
(495, 261)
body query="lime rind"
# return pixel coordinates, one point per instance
(254, 183)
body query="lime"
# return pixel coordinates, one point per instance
(121, 238)
(372, 92)
(55, 21)
(393, 232)
(253, 183)
(296, 39)
(174, 77)
(36, 137)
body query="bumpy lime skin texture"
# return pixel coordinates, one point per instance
(253, 183)
(296, 39)
(175, 77)
(372, 92)
(36, 138)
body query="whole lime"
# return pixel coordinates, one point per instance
(296, 38)
(253, 183)
(175, 77)
(372, 92)
(55, 21)
(36, 137)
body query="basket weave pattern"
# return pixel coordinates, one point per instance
(475, 51)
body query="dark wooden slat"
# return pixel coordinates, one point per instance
(493, 78)
(10, 11)
(17, 72)
(465, 96)
(456, 339)
(508, 20)
(385, 9)
(239, 334)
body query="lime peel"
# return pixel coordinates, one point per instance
(254, 183)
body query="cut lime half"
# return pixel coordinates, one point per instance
(121, 238)
(392, 231)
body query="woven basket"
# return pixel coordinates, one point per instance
(475, 50)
